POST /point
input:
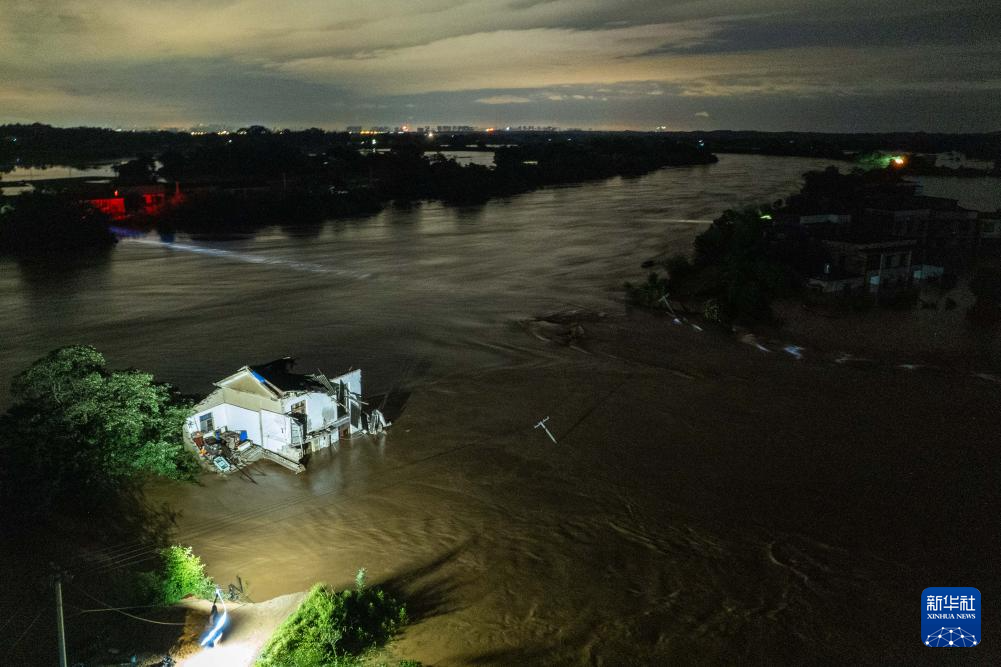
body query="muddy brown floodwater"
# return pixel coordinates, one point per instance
(706, 502)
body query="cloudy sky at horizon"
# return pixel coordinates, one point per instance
(847, 65)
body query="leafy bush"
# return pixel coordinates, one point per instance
(181, 573)
(648, 293)
(738, 266)
(711, 311)
(335, 629)
(678, 268)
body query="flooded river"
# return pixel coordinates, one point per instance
(431, 284)
(707, 501)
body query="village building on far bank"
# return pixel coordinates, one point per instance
(886, 237)
(856, 267)
(287, 414)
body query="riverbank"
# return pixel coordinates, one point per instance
(703, 498)
(249, 628)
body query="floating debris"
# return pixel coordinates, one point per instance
(847, 357)
(564, 327)
(750, 339)
(794, 350)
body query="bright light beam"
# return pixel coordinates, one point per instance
(215, 633)
(252, 259)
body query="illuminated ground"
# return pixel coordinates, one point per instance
(249, 628)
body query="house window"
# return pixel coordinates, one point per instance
(206, 423)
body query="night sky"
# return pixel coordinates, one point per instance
(844, 65)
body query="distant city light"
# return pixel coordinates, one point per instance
(899, 161)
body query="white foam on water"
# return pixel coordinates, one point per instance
(689, 221)
(990, 377)
(794, 350)
(249, 258)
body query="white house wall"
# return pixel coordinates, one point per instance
(242, 419)
(277, 431)
(231, 418)
(353, 378)
(321, 409)
(218, 413)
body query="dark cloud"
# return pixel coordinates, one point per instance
(770, 64)
(942, 27)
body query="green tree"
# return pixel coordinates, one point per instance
(181, 573)
(77, 430)
(137, 171)
(43, 223)
(748, 277)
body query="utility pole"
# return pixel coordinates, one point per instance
(542, 425)
(57, 583)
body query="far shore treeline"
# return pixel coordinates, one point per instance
(245, 180)
(254, 177)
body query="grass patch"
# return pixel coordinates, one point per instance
(336, 628)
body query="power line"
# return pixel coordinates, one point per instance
(7, 622)
(128, 553)
(11, 648)
(141, 554)
(108, 607)
(137, 554)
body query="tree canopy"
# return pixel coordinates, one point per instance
(41, 223)
(77, 430)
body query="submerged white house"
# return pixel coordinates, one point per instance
(287, 413)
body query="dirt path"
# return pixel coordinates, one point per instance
(249, 627)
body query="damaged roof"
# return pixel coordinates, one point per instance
(278, 373)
